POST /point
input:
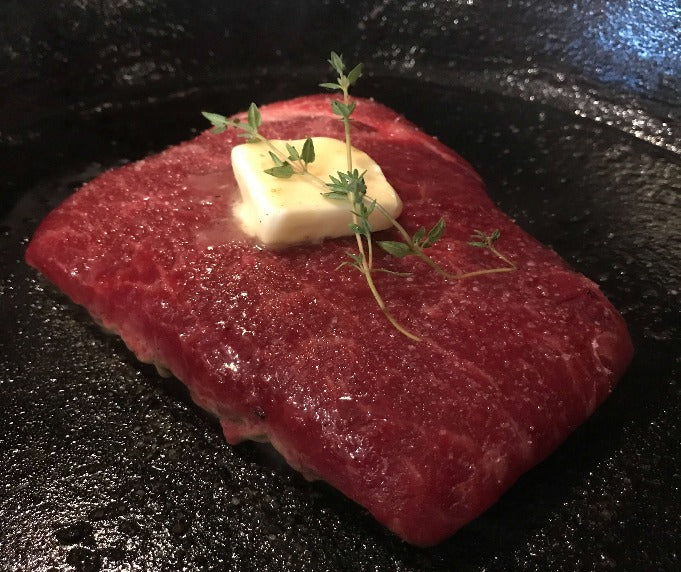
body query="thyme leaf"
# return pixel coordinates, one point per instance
(284, 171)
(293, 154)
(354, 74)
(487, 241)
(415, 245)
(254, 118)
(249, 130)
(308, 155)
(336, 195)
(418, 235)
(434, 234)
(356, 261)
(343, 109)
(219, 122)
(281, 169)
(395, 248)
(482, 240)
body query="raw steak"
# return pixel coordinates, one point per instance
(284, 347)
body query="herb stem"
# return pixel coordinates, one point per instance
(511, 265)
(415, 248)
(366, 262)
(346, 123)
(276, 151)
(351, 198)
(485, 271)
(381, 304)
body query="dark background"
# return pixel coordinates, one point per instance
(586, 56)
(616, 62)
(571, 112)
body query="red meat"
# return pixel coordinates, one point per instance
(284, 347)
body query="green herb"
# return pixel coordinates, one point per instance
(414, 247)
(350, 186)
(250, 129)
(482, 240)
(417, 243)
(281, 169)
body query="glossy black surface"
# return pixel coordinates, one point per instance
(104, 465)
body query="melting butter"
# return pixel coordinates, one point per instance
(288, 211)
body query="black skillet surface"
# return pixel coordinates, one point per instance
(105, 465)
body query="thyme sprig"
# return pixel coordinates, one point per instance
(285, 165)
(485, 241)
(250, 129)
(350, 186)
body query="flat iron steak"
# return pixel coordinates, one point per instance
(283, 346)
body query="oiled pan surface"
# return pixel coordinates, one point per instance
(104, 465)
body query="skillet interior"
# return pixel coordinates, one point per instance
(104, 464)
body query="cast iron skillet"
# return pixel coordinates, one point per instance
(105, 465)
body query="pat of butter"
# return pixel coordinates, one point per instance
(287, 211)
